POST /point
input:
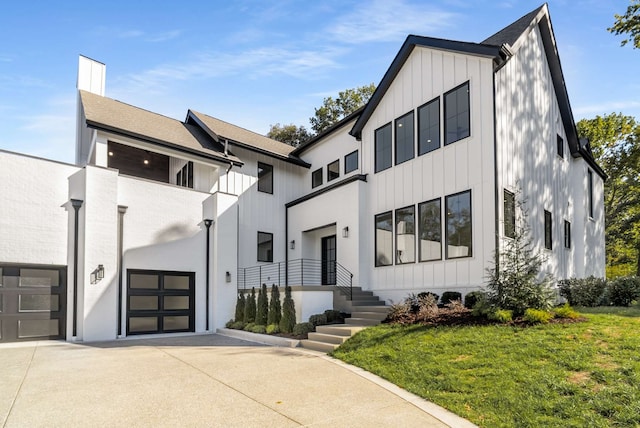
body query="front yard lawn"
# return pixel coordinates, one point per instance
(554, 375)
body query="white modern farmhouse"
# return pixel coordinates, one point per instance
(161, 221)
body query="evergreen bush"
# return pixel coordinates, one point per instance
(238, 325)
(500, 315)
(275, 309)
(229, 324)
(537, 316)
(623, 290)
(288, 320)
(259, 328)
(262, 306)
(333, 316)
(450, 296)
(240, 304)
(566, 311)
(470, 299)
(318, 319)
(249, 326)
(583, 291)
(302, 328)
(273, 329)
(250, 307)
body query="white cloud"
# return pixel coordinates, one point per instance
(163, 37)
(606, 107)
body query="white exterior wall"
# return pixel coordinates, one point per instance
(528, 122)
(464, 165)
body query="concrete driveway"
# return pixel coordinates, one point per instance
(206, 380)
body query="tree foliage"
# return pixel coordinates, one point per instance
(250, 307)
(288, 320)
(628, 24)
(335, 109)
(289, 134)
(615, 143)
(240, 304)
(262, 309)
(275, 308)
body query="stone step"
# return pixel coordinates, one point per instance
(361, 321)
(381, 309)
(328, 338)
(318, 346)
(365, 297)
(339, 329)
(369, 315)
(367, 303)
(362, 293)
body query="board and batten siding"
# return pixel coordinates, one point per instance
(467, 164)
(527, 126)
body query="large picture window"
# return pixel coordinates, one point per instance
(351, 162)
(457, 115)
(429, 127)
(384, 239)
(265, 178)
(458, 230)
(509, 214)
(383, 148)
(430, 231)
(404, 138)
(265, 247)
(406, 235)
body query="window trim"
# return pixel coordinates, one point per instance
(420, 260)
(395, 138)
(262, 165)
(560, 146)
(375, 238)
(446, 228)
(329, 178)
(395, 232)
(512, 220)
(184, 177)
(468, 84)
(425, 105)
(567, 234)
(357, 156)
(375, 148)
(258, 247)
(548, 226)
(317, 173)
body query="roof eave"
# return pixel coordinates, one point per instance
(313, 141)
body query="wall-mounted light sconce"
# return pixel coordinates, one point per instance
(227, 277)
(292, 244)
(345, 232)
(100, 274)
(97, 275)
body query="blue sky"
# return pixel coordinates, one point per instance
(256, 62)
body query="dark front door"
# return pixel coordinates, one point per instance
(32, 302)
(329, 260)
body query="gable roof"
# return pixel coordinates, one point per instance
(509, 34)
(314, 140)
(241, 137)
(124, 119)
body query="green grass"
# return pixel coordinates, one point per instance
(554, 375)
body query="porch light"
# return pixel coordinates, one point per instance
(100, 272)
(146, 161)
(292, 244)
(345, 232)
(227, 277)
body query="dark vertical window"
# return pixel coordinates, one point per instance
(567, 234)
(458, 231)
(316, 178)
(265, 247)
(184, 177)
(590, 177)
(265, 178)
(457, 114)
(384, 239)
(351, 162)
(509, 214)
(430, 231)
(406, 235)
(333, 170)
(383, 148)
(405, 145)
(560, 144)
(548, 229)
(429, 127)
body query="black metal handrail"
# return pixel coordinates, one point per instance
(297, 272)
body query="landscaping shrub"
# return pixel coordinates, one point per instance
(425, 294)
(318, 319)
(333, 316)
(249, 326)
(537, 316)
(470, 299)
(240, 304)
(273, 329)
(275, 309)
(450, 296)
(250, 307)
(400, 313)
(500, 315)
(583, 291)
(238, 325)
(229, 324)
(623, 290)
(456, 306)
(259, 328)
(482, 307)
(566, 311)
(263, 306)
(288, 320)
(302, 328)
(427, 307)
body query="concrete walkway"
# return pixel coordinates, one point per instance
(206, 380)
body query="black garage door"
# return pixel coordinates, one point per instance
(160, 302)
(32, 302)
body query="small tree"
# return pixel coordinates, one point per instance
(288, 320)
(240, 304)
(514, 280)
(250, 307)
(275, 309)
(263, 306)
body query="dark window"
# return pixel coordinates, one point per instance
(184, 177)
(351, 162)
(265, 247)
(560, 143)
(384, 239)
(404, 138)
(590, 176)
(406, 235)
(567, 234)
(548, 239)
(458, 209)
(430, 230)
(383, 148)
(333, 170)
(509, 214)
(429, 127)
(316, 178)
(457, 114)
(265, 178)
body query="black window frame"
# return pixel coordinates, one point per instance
(430, 126)
(332, 175)
(399, 123)
(446, 225)
(184, 177)
(458, 136)
(548, 230)
(567, 234)
(375, 238)
(269, 258)
(385, 166)
(590, 192)
(262, 181)
(560, 146)
(315, 175)
(397, 234)
(509, 212)
(420, 228)
(347, 158)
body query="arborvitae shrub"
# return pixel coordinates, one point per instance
(288, 320)
(470, 299)
(450, 296)
(275, 309)
(250, 308)
(263, 306)
(302, 328)
(240, 304)
(318, 319)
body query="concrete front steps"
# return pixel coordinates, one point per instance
(366, 310)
